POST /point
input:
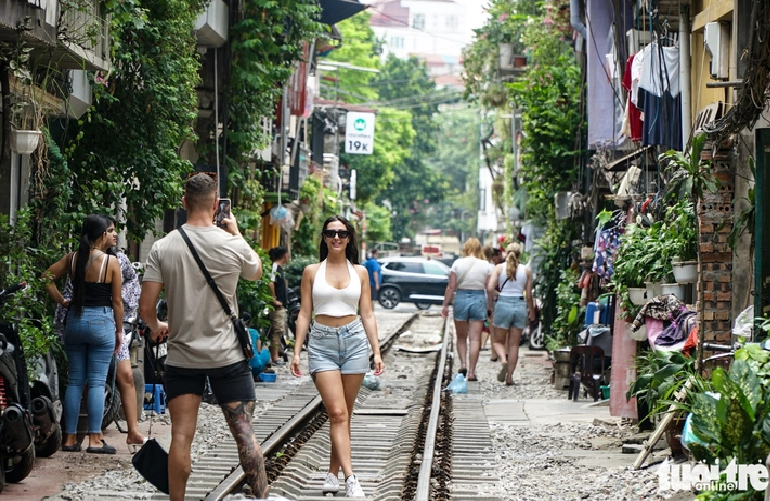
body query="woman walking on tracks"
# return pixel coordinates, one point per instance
(336, 290)
(467, 283)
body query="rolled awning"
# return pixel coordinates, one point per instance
(334, 11)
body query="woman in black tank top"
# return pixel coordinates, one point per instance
(93, 327)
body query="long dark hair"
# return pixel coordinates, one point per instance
(351, 251)
(94, 226)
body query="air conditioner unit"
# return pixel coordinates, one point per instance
(716, 36)
(636, 40)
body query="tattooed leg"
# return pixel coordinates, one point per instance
(239, 418)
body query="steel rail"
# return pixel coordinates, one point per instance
(238, 476)
(423, 479)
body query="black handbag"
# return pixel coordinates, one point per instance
(152, 461)
(240, 328)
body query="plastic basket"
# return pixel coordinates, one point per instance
(267, 377)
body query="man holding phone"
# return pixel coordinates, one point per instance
(202, 342)
(223, 211)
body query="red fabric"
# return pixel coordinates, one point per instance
(634, 115)
(692, 339)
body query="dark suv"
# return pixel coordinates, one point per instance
(413, 280)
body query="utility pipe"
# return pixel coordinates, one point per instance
(574, 18)
(684, 70)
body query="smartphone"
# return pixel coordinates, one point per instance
(223, 211)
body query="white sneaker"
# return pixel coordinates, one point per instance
(331, 484)
(354, 488)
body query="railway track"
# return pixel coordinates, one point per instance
(403, 444)
(391, 430)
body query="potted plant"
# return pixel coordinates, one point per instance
(691, 176)
(308, 193)
(495, 95)
(498, 186)
(682, 233)
(26, 117)
(631, 266)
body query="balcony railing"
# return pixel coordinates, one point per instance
(84, 34)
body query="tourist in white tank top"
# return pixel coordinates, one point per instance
(510, 295)
(336, 289)
(467, 284)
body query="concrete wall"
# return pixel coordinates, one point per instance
(711, 10)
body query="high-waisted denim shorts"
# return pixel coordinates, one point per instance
(344, 348)
(510, 312)
(470, 305)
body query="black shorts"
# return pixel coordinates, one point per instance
(231, 383)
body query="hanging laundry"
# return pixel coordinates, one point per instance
(632, 112)
(660, 97)
(605, 251)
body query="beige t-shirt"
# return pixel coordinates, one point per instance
(201, 335)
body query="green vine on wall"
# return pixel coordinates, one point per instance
(265, 45)
(126, 146)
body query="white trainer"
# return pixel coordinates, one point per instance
(331, 484)
(354, 488)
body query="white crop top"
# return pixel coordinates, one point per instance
(513, 287)
(328, 300)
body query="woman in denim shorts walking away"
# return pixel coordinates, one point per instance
(511, 284)
(93, 327)
(336, 290)
(467, 283)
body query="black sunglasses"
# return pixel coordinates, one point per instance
(343, 234)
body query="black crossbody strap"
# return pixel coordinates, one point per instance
(206, 274)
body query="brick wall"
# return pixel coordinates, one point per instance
(715, 218)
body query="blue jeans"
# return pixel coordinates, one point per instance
(89, 339)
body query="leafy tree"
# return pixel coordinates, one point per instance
(457, 158)
(549, 98)
(377, 223)
(416, 184)
(359, 48)
(392, 142)
(265, 45)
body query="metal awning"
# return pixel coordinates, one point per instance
(621, 163)
(334, 11)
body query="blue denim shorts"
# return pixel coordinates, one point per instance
(344, 348)
(510, 312)
(470, 305)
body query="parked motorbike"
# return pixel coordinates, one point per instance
(535, 333)
(134, 329)
(28, 421)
